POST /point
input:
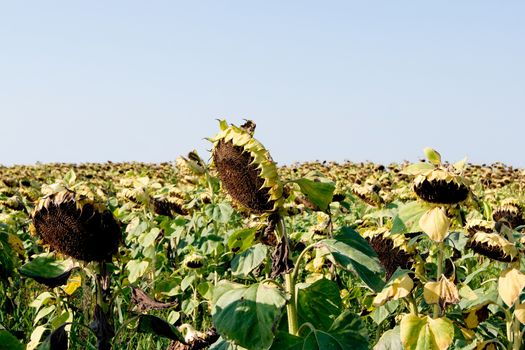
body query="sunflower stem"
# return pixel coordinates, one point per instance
(289, 285)
(516, 333)
(439, 262)
(412, 304)
(291, 307)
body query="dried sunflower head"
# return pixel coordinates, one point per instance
(441, 186)
(510, 212)
(476, 225)
(369, 194)
(438, 183)
(194, 261)
(392, 249)
(493, 245)
(246, 169)
(77, 227)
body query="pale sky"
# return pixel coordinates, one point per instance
(328, 80)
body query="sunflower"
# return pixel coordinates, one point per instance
(493, 245)
(77, 227)
(246, 169)
(369, 194)
(509, 211)
(194, 261)
(476, 225)
(441, 186)
(438, 183)
(392, 249)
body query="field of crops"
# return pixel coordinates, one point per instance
(237, 253)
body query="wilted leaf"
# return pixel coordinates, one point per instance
(435, 224)
(399, 286)
(442, 292)
(144, 302)
(73, 283)
(519, 312)
(510, 285)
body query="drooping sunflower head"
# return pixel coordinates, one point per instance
(441, 186)
(476, 225)
(368, 193)
(439, 183)
(392, 249)
(509, 211)
(194, 261)
(75, 226)
(246, 169)
(493, 245)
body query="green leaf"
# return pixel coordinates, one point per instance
(319, 193)
(247, 315)
(136, 269)
(241, 239)
(426, 333)
(221, 212)
(47, 270)
(248, 260)
(205, 290)
(347, 332)
(224, 344)
(153, 325)
(432, 155)
(390, 340)
(318, 303)
(409, 215)
(382, 312)
(352, 252)
(148, 239)
(9, 341)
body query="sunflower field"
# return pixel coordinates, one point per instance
(238, 253)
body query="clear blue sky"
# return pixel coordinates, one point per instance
(358, 80)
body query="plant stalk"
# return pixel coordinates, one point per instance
(291, 309)
(440, 247)
(412, 304)
(289, 286)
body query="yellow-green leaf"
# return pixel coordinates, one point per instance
(425, 333)
(435, 224)
(510, 284)
(432, 155)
